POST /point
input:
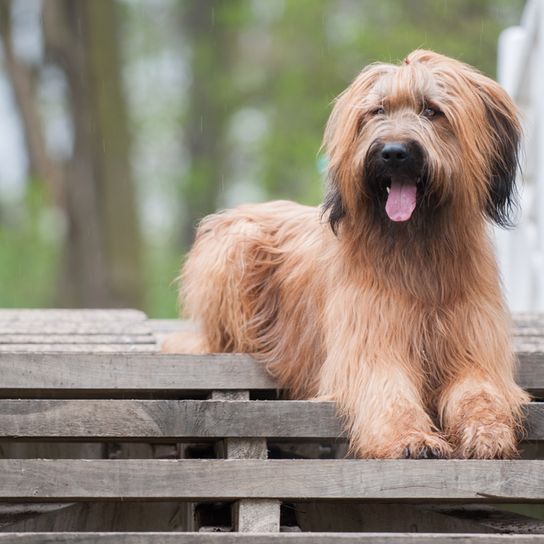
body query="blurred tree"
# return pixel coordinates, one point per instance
(102, 257)
(211, 29)
(23, 80)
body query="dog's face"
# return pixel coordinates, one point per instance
(431, 136)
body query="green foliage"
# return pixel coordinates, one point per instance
(30, 253)
(161, 267)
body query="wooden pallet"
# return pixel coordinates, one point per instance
(123, 432)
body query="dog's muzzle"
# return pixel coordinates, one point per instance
(400, 165)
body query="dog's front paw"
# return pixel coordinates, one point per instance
(413, 445)
(425, 446)
(477, 440)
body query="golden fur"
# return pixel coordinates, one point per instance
(403, 325)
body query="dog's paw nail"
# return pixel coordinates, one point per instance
(406, 453)
(427, 452)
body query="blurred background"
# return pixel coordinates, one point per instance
(125, 121)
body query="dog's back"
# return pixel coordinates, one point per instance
(230, 285)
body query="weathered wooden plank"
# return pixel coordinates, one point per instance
(490, 519)
(74, 327)
(87, 371)
(530, 373)
(185, 419)
(93, 516)
(13, 516)
(534, 427)
(386, 480)
(76, 339)
(324, 516)
(47, 322)
(110, 373)
(270, 538)
(524, 318)
(71, 315)
(79, 348)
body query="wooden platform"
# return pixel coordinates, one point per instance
(103, 439)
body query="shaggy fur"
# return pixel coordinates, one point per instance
(401, 323)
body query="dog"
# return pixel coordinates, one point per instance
(386, 299)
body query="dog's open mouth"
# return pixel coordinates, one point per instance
(401, 198)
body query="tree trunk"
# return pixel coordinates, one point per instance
(103, 257)
(41, 166)
(208, 111)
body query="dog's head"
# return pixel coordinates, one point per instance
(428, 137)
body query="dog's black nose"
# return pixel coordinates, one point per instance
(394, 153)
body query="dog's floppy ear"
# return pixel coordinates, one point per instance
(340, 146)
(334, 206)
(505, 134)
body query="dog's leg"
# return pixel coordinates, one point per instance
(480, 418)
(481, 405)
(373, 373)
(382, 408)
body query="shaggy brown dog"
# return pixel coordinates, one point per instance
(396, 311)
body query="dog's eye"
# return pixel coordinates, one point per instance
(430, 112)
(378, 111)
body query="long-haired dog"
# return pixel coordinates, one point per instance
(387, 298)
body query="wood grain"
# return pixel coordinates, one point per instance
(386, 480)
(36, 315)
(39, 338)
(73, 322)
(59, 348)
(135, 372)
(132, 372)
(285, 538)
(74, 327)
(184, 419)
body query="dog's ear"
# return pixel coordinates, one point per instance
(334, 207)
(505, 136)
(340, 145)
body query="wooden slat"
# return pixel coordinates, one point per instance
(64, 322)
(137, 372)
(184, 419)
(47, 314)
(354, 516)
(93, 516)
(74, 327)
(76, 339)
(238, 538)
(150, 347)
(530, 374)
(124, 372)
(386, 480)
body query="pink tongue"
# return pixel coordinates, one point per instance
(401, 201)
